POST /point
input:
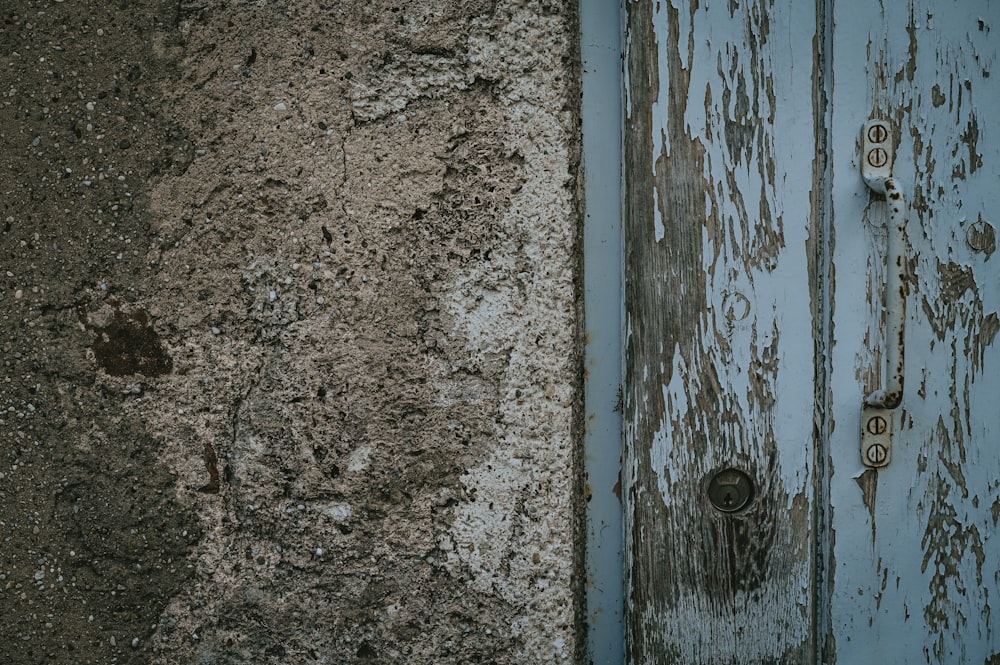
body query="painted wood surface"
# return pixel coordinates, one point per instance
(601, 121)
(914, 570)
(755, 268)
(722, 322)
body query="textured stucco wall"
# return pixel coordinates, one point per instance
(339, 325)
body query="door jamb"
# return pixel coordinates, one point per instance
(602, 119)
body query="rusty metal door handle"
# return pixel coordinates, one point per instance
(877, 413)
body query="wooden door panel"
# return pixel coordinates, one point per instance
(723, 316)
(915, 555)
(754, 329)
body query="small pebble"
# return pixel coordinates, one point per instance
(135, 642)
(280, 106)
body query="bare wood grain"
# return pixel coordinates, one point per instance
(721, 247)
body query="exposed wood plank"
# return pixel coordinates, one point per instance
(914, 574)
(720, 329)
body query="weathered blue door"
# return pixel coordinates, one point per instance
(764, 276)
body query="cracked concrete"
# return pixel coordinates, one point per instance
(357, 250)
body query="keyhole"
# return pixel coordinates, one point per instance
(730, 490)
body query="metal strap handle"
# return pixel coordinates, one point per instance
(876, 169)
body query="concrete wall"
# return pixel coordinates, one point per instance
(289, 297)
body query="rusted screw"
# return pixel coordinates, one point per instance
(877, 134)
(876, 425)
(876, 453)
(878, 157)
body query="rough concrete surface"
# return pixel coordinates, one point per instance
(289, 332)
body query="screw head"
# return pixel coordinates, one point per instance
(876, 453)
(878, 133)
(876, 425)
(878, 157)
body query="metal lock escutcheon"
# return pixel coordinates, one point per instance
(730, 490)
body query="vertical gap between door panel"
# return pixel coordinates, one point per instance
(823, 326)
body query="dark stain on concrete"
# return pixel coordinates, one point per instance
(130, 345)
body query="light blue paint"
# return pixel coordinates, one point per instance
(600, 41)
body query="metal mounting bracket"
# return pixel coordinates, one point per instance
(879, 406)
